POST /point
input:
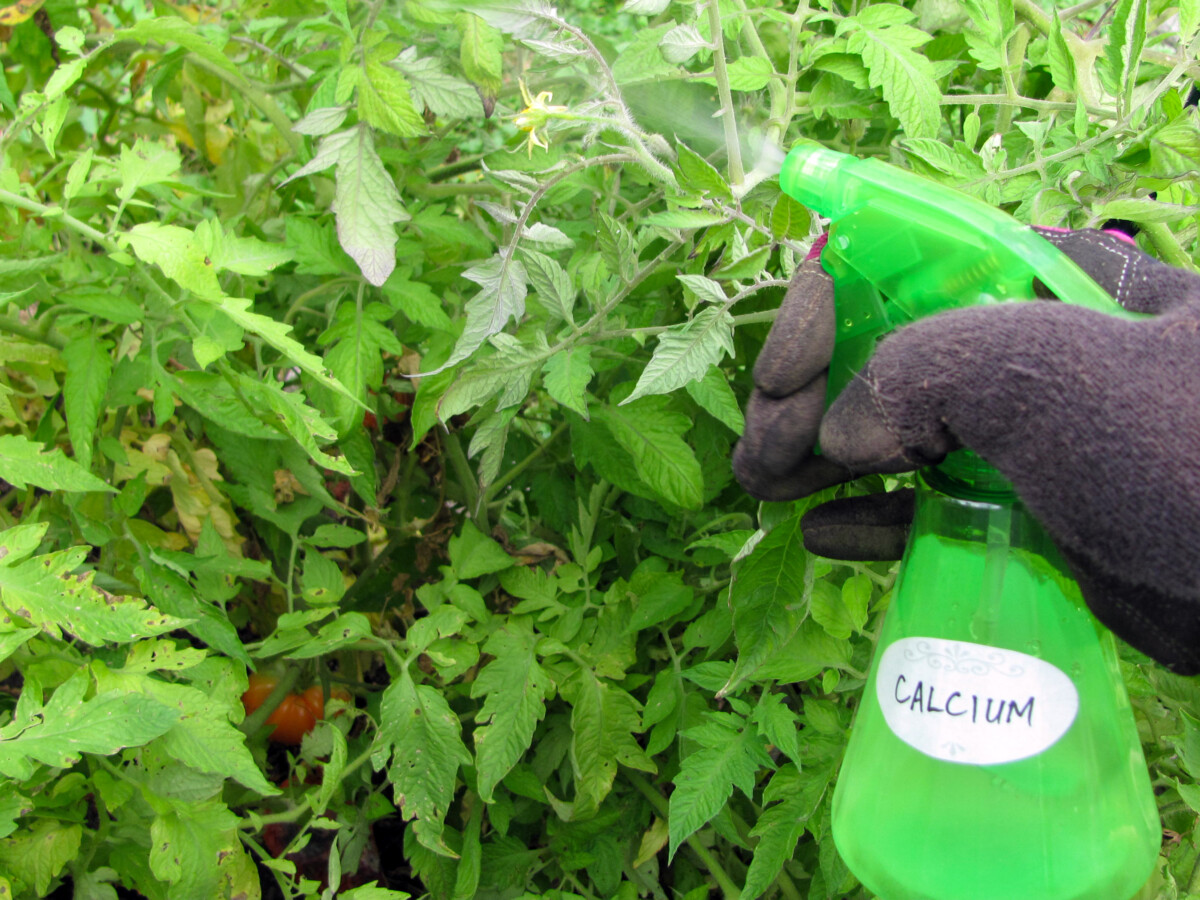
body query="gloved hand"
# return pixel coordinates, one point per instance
(1095, 420)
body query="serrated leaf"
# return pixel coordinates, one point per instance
(749, 73)
(830, 611)
(789, 219)
(480, 52)
(501, 297)
(472, 553)
(210, 744)
(768, 596)
(730, 755)
(552, 284)
(704, 288)
(653, 436)
(70, 726)
(422, 735)
(684, 218)
(436, 90)
(1060, 58)
(192, 846)
(716, 398)
(686, 352)
(1123, 52)
(46, 592)
(515, 688)
(905, 76)
(1143, 209)
(681, 43)
(566, 377)
(39, 856)
(603, 720)
(366, 205)
(385, 101)
(278, 335)
(176, 251)
(89, 365)
(207, 43)
(617, 246)
(645, 7)
(780, 826)
(697, 175)
(24, 462)
(320, 122)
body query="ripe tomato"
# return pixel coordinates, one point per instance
(294, 717)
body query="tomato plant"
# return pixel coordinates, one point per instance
(296, 714)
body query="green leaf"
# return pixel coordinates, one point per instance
(70, 726)
(1060, 58)
(789, 220)
(768, 596)
(697, 175)
(89, 365)
(480, 52)
(190, 846)
(472, 553)
(444, 94)
(1143, 209)
(144, 163)
(552, 283)
(686, 352)
(501, 297)
(714, 395)
(603, 720)
(207, 43)
(617, 246)
(749, 73)
(24, 462)
(39, 856)
(278, 335)
(566, 377)
(366, 205)
(781, 825)
(684, 218)
(209, 744)
(243, 255)
(423, 736)
(704, 288)
(1123, 52)
(385, 101)
(176, 251)
(662, 598)
(729, 756)
(315, 248)
(47, 592)
(515, 688)
(778, 724)
(905, 76)
(830, 609)
(681, 43)
(653, 436)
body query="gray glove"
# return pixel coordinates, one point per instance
(1095, 420)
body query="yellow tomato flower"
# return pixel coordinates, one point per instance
(533, 118)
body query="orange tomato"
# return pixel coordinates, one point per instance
(294, 717)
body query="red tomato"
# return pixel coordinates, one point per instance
(294, 717)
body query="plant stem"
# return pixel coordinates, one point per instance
(56, 212)
(1024, 102)
(707, 858)
(462, 471)
(720, 73)
(1167, 245)
(507, 478)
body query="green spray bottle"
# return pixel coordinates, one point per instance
(994, 754)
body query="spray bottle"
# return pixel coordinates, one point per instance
(994, 754)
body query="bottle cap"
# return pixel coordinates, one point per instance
(965, 474)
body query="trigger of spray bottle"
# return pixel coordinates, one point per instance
(994, 753)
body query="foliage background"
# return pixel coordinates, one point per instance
(332, 345)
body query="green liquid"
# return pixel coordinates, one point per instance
(1076, 821)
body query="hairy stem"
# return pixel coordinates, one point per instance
(720, 73)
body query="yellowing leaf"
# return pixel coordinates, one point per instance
(19, 11)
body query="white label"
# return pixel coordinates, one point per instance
(970, 703)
